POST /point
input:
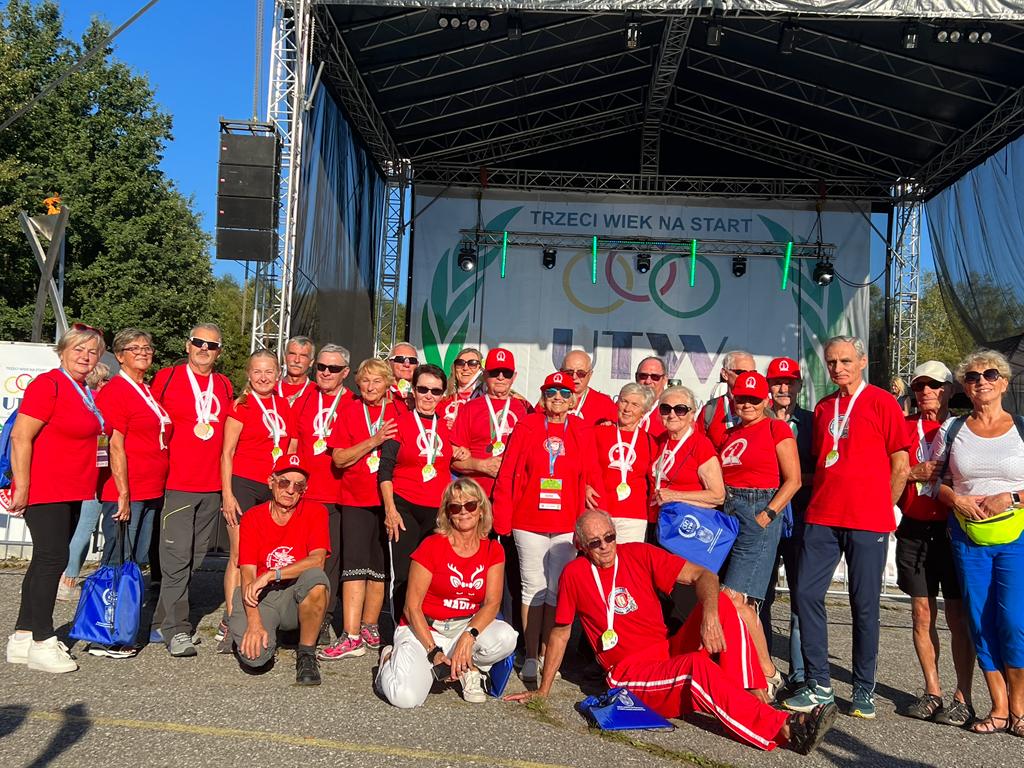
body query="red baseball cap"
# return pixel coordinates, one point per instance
(499, 358)
(750, 384)
(783, 368)
(558, 380)
(290, 463)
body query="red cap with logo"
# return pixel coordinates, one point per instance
(783, 368)
(290, 463)
(750, 384)
(499, 358)
(558, 380)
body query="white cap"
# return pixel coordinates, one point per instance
(934, 370)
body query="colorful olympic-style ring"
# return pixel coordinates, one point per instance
(570, 294)
(716, 285)
(15, 385)
(635, 297)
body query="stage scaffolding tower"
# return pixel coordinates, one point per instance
(906, 278)
(389, 268)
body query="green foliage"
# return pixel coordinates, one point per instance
(228, 308)
(135, 255)
(941, 334)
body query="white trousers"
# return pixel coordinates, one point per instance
(542, 557)
(405, 678)
(628, 530)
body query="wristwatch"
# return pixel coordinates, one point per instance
(1015, 498)
(432, 653)
(772, 514)
(473, 631)
(277, 574)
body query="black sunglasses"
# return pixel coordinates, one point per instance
(643, 376)
(973, 377)
(404, 360)
(213, 346)
(680, 410)
(920, 386)
(454, 507)
(552, 391)
(332, 368)
(472, 363)
(739, 371)
(497, 373)
(576, 374)
(596, 543)
(435, 391)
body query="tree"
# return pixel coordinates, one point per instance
(228, 308)
(941, 334)
(135, 254)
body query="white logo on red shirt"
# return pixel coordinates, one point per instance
(621, 456)
(733, 452)
(623, 602)
(832, 428)
(421, 443)
(274, 423)
(476, 581)
(281, 557)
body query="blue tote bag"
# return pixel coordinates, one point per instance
(702, 536)
(619, 710)
(110, 607)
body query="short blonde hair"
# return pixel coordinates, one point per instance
(646, 393)
(899, 383)
(471, 491)
(74, 336)
(373, 365)
(986, 357)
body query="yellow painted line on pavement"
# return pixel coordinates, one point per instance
(282, 738)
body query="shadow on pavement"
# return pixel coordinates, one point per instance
(860, 754)
(75, 724)
(11, 718)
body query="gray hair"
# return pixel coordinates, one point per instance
(97, 376)
(336, 349)
(586, 517)
(402, 344)
(302, 341)
(74, 336)
(655, 358)
(127, 336)
(679, 389)
(982, 356)
(206, 327)
(646, 394)
(853, 341)
(731, 355)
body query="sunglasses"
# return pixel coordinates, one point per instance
(471, 363)
(575, 374)
(435, 391)
(501, 373)
(455, 508)
(404, 360)
(299, 486)
(973, 377)
(651, 376)
(213, 346)
(920, 386)
(739, 371)
(679, 409)
(596, 543)
(332, 368)
(552, 391)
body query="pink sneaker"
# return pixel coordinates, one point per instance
(344, 647)
(370, 634)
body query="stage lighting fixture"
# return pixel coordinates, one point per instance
(548, 258)
(986, 36)
(632, 34)
(739, 266)
(824, 272)
(942, 36)
(442, 22)
(714, 37)
(643, 263)
(979, 36)
(467, 257)
(485, 24)
(954, 36)
(910, 36)
(456, 22)
(471, 23)
(515, 28)
(787, 39)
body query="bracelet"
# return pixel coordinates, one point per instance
(772, 514)
(432, 653)
(277, 574)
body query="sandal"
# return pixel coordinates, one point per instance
(958, 713)
(925, 707)
(990, 725)
(1016, 727)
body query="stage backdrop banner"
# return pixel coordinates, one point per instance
(541, 314)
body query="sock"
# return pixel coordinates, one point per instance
(354, 637)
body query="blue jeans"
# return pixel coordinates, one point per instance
(79, 546)
(752, 558)
(140, 530)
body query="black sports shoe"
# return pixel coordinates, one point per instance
(806, 730)
(307, 669)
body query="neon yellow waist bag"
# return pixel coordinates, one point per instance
(1004, 528)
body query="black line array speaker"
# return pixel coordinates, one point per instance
(248, 176)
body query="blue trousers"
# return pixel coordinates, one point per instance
(865, 553)
(79, 546)
(140, 531)
(992, 578)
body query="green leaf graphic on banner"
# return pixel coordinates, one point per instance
(444, 321)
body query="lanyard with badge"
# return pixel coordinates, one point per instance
(154, 406)
(609, 639)
(550, 498)
(274, 423)
(499, 427)
(204, 406)
(430, 448)
(102, 441)
(839, 425)
(373, 427)
(624, 462)
(323, 422)
(667, 460)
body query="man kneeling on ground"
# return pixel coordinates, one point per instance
(282, 547)
(614, 590)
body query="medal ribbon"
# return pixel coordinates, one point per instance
(498, 426)
(432, 432)
(578, 411)
(275, 431)
(296, 396)
(609, 601)
(204, 405)
(625, 468)
(147, 397)
(840, 424)
(659, 472)
(86, 395)
(374, 427)
(328, 421)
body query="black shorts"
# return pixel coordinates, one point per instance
(248, 493)
(363, 544)
(924, 560)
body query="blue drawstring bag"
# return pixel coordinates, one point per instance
(110, 607)
(620, 710)
(701, 536)
(499, 675)
(788, 522)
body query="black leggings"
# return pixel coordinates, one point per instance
(51, 526)
(420, 523)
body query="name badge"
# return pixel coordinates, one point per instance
(550, 494)
(102, 451)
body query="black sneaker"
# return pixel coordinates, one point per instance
(958, 713)
(807, 729)
(307, 669)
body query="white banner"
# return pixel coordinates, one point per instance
(540, 314)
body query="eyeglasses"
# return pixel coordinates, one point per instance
(575, 374)
(552, 391)
(213, 346)
(739, 371)
(652, 376)
(435, 391)
(973, 377)
(501, 373)
(679, 409)
(137, 349)
(299, 486)
(920, 386)
(596, 543)
(321, 367)
(470, 363)
(404, 360)
(455, 508)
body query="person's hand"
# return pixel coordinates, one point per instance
(489, 466)
(251, 593)
(995, 504)
(969, 507)
(523, 697)
(254, 641)
(460, 453)
(19, 501)
(387, 431)
(593, 498)
(711, 634)
(393, 522)
(231, 510)
(124, 508)
(462, 655)
(925, 472)
(762, 519)
(664, 496)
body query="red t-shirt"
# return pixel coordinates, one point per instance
(412, 458)
(125, 410)
(358, 484)
(194, 463)
(652, 422)
(634, 506)
(748, 454)
(716, 430)
(681, 474)
(324, 477)
(63, 466)
(644, 570)
(398, 398)
(267, 545)
(254, 459)
(458, 585)
(450, 405)
(295, 394)
(855, 491)
(597, 406)
(911, 503)
(474, 430)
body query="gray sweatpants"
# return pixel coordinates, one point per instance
(186, 524)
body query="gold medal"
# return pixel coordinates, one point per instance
(622, 491)
(429, 473)
(497, 448)
(319, 446)
(373, 462)
(831, 458)
(609, 639)
(276, 452)
(203, 431)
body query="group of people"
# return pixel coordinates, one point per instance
(410, 513)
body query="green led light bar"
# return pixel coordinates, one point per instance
(785, 265)
(693, 262)
(504, 252)
(593, 263)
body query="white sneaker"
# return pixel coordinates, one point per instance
(472, 687)
(51, 655)
(17, 648)
(531, 671)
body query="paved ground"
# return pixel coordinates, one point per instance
(157, 711)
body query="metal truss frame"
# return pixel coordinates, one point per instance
(663, 80)
(906, 278)
(389, 266)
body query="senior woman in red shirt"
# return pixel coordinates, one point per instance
(58, 446)
(539, 493)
